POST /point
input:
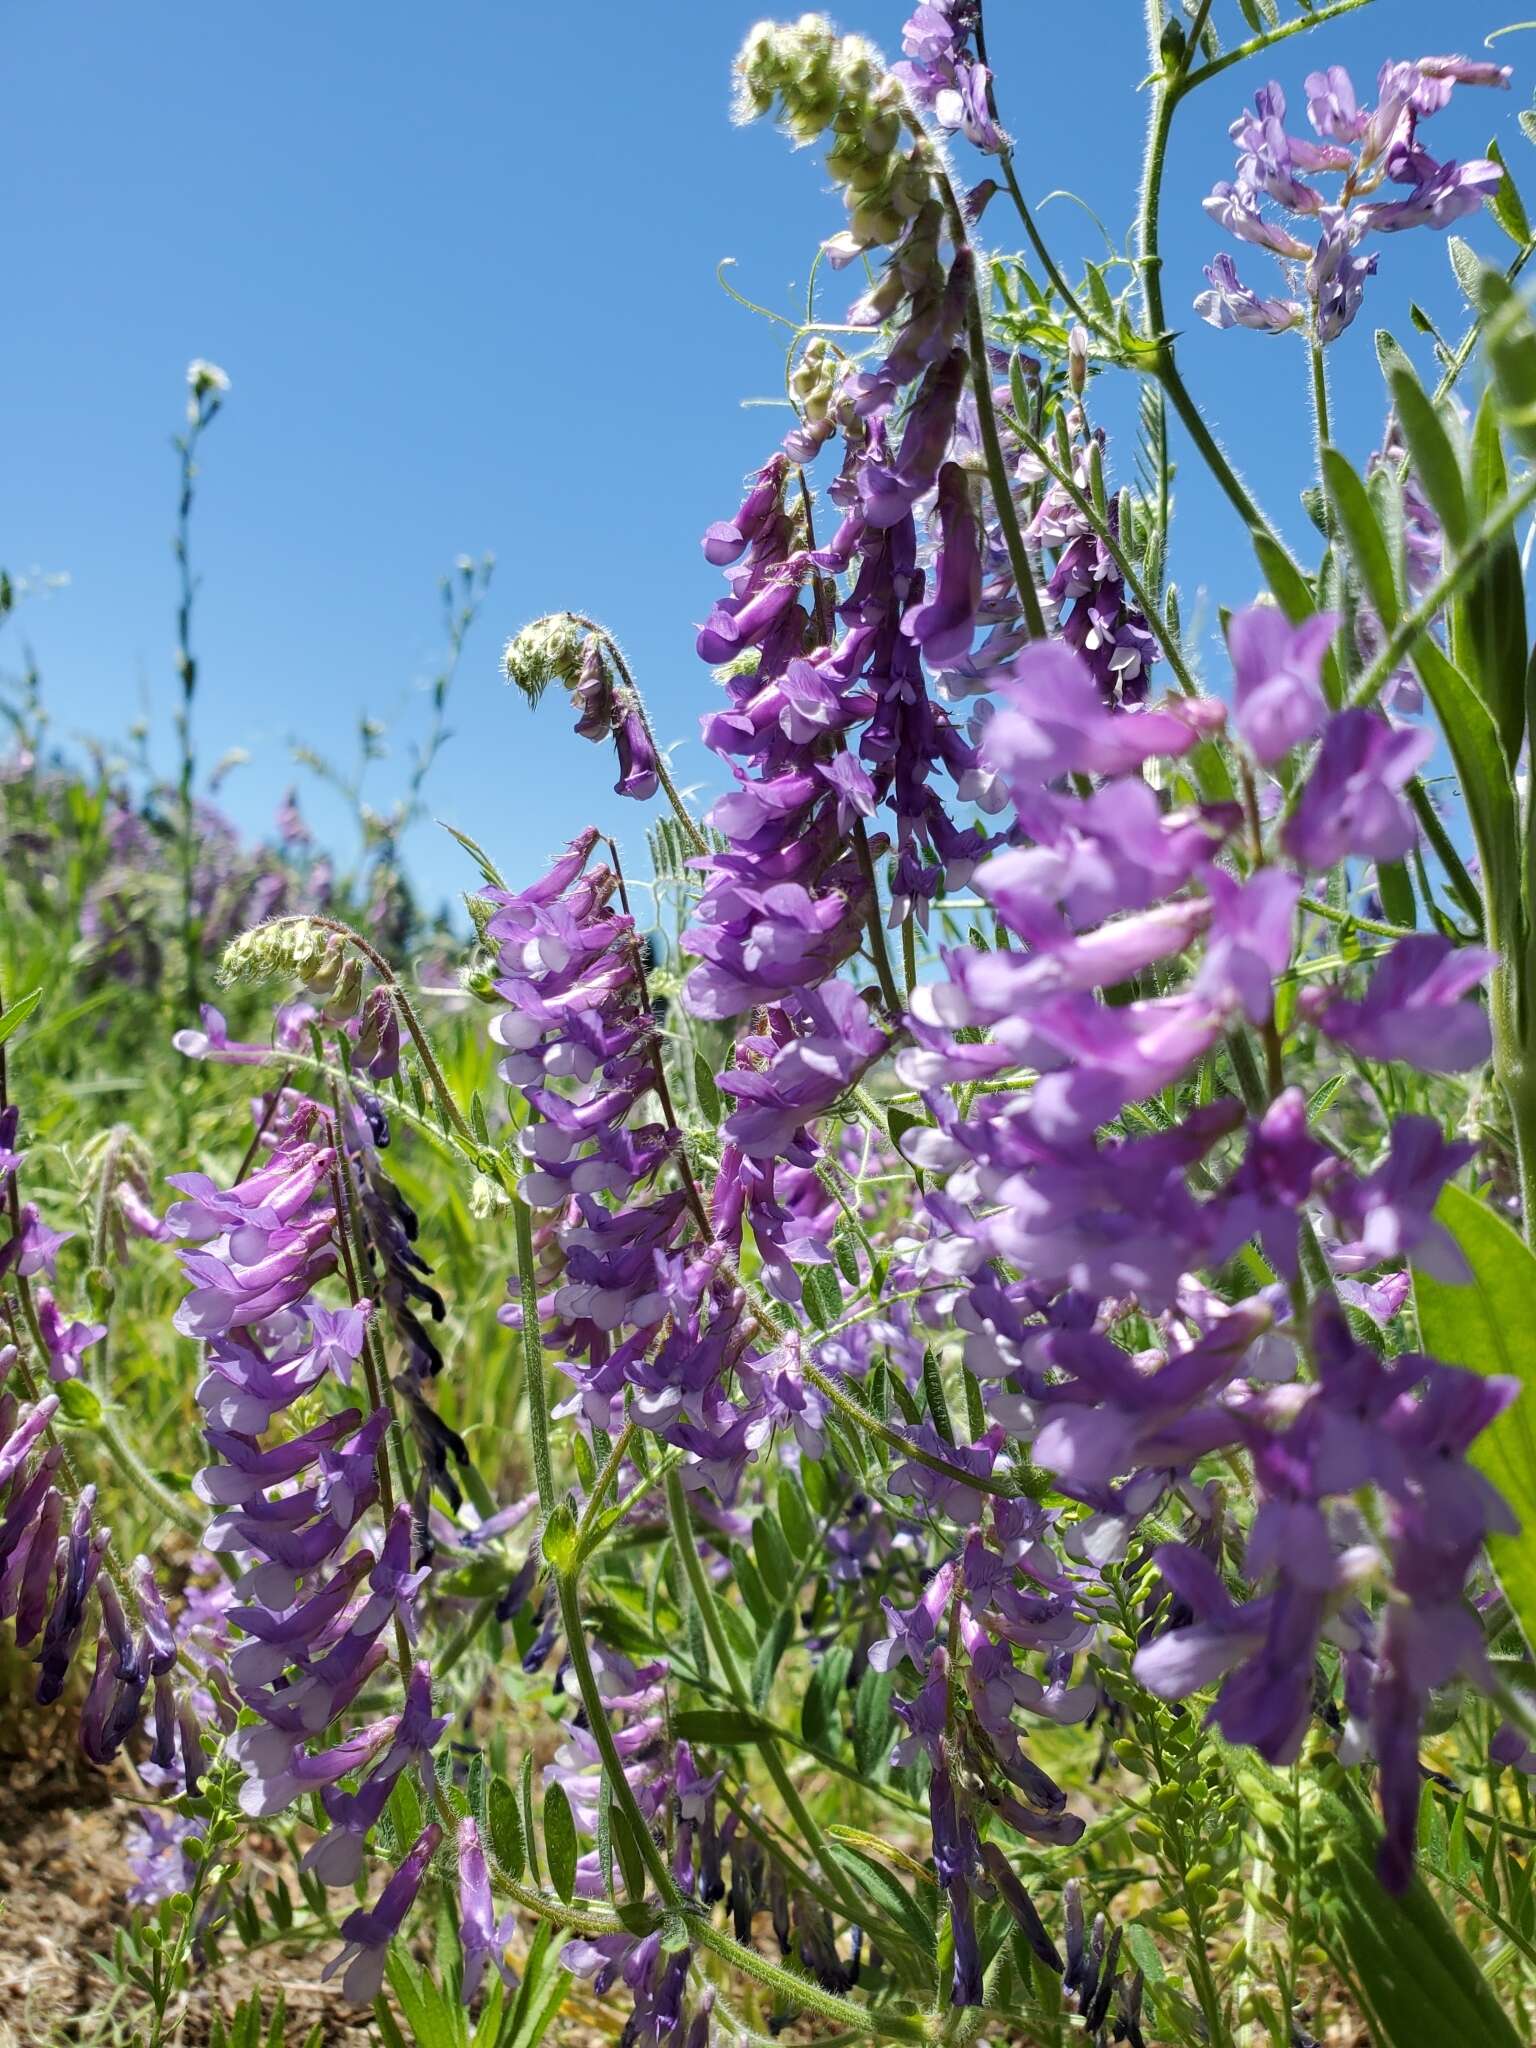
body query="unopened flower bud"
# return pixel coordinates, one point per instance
(1077, 358)
(546, 651)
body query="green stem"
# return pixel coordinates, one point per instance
(704, 1600)
(873, 927)
(855, 1412)
(533, 1357)
(1257, 45)
(864, 2022)
(1362, 924)
(600, 1489)
(597, 1720)
(673, 794)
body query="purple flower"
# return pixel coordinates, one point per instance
(836, 1040)
(1230, 303)
(1391, 1211)
(943, 626)
(1331, 105)
(1353, 803)
(914, 1630)
(481, 1936)
(1052, 721)
(1415, 1007)
(1336, 275)
(1276, 672)
(1440, 194)
(367, 1932)
(1235, 207)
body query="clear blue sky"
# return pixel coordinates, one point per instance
(459, 263)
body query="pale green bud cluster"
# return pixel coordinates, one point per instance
(292, 949)
(486, 1196)
(298, 949)
(821, 83)
(546, 651)
(813, 380)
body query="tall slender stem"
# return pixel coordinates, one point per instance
(673, 794)
(704, 1600)
(533, 1357)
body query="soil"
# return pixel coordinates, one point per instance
(64, 1876)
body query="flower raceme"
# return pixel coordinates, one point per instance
(1274, 204)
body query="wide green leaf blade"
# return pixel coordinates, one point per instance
(1361, 528)
(1489, 1325)
(1433, 456)
(18, 1013)
(1488, 620)
(1486, 785)
(1416, 1980)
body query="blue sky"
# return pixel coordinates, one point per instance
(460, 266)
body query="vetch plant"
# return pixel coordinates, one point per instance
(1002, 1508)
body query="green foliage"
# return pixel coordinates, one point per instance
(1489, 1324)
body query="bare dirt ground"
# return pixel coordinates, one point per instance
(64, 1876)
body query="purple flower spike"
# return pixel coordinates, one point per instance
(1391, 1211)
(1276, 672)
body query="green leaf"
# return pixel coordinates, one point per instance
(795, 1515)
(79, 1403)
(1432, 453)
(823, 1296)
(559, 1839)
(1468, 267)
(819, 1720)
(1505, 204)
(1362, 534)
(540, 1995)
(1416, 1980)
(717, 1727)
(1396, 891)
(1509, 342)
(775, 1565)
(433, 2022)
(893, 1899)
(630, 1854)
(1486, 785)
(1489, 1325)
(760, 1604)
(898, 1122)
(705, 1089)
(933, 1394)
(770, 1652)
(530, 1840)
(1488, 619)
(871, 1724)
(18, 1013)
(559, 1538)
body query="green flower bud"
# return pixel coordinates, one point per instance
(546, 651)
